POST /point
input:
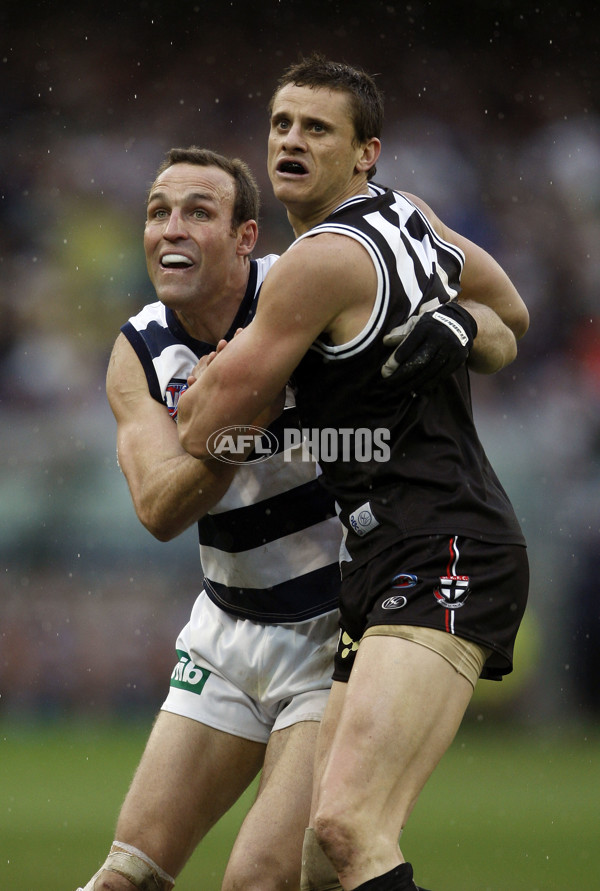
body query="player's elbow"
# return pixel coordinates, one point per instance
(495, 355)
(191, 442)
(161, 524)
(187, 430)
(520, 325)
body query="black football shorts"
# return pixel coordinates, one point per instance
(473, 589)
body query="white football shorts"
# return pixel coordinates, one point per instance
(249, 679)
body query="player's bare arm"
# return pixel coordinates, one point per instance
(324, 284)
(483, 280)
(170, 489)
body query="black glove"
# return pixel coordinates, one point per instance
(430, 347)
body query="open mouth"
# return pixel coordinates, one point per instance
(294, 167)
(175, 261)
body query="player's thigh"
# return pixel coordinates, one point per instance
(401, 710)
(267, 852)
(189, 776)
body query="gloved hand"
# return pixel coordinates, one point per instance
(430, 347)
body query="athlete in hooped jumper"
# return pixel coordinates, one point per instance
(434, 565)
(254, 662)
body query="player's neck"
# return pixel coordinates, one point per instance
(303, 218)
(211, 316)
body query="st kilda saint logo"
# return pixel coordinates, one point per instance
(452, 592)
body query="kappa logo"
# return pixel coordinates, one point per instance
(453, 591)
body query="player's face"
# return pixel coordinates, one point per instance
(313, 154)
(188, 238)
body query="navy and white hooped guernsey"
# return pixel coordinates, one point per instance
(269, 549)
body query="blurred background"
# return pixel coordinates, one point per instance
(492, 117)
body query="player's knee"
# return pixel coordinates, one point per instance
(263, 873)
(318, 872)
(336, 834)
(112, 881)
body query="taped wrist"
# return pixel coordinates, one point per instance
(137, 867)
(318, 873)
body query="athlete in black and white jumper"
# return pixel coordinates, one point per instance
(434, 564)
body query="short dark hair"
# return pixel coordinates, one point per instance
(246, 205)
(366, 99)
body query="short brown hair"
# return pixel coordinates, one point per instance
(246, 205)
(366, 98)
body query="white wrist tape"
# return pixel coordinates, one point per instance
(137, 867)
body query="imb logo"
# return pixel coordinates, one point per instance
(187, 676)
(230, 444)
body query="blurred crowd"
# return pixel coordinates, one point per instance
(500, 134)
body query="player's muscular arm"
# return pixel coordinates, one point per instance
(484, 282)
(323, 284)
(495, 345)
(170, 489)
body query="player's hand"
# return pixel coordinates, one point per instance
(430, 347)
(203, 363)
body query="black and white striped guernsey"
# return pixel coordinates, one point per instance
(437, 478)
(269, 549)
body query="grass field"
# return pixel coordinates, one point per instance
(506, 810)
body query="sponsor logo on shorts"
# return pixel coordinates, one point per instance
(346, 646)
(362, 520)
(396, 602)
(452, 592)
(402, 581)
(188, 676)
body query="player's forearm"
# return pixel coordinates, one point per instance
(484, 281)
(495, 345)
(171, 497)
(228, 394)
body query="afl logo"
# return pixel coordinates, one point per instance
(230, 444)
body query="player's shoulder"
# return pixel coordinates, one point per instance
(325, 255)
(151, 312)
(263, 264)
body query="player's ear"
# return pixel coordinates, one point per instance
(247, 235)
(369, 155)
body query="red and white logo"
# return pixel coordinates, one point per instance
(453, 590)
